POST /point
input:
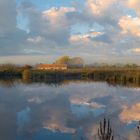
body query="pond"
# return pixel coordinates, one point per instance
(69, 111)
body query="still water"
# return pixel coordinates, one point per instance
(39, 111)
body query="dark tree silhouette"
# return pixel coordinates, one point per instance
(105, 131)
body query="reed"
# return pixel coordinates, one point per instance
(105, 131)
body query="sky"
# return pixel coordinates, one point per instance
(40, 31)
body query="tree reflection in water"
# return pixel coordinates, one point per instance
(59, 82)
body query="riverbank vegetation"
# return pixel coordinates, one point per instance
(77, 70)
(123, 75)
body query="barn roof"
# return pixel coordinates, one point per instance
(51, 65)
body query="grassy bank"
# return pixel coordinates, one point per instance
(123, 75)
(10, 74)
(97, 74)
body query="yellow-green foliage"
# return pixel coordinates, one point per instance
(8, 67)
(71, 62)
(26, 74)
(62, 60)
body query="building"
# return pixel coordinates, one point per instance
(51, 67)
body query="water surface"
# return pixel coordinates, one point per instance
(39, 111)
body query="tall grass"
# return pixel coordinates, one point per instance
(111, 75)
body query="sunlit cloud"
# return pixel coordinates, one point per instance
(85, 36)
(130, 114)
(55, 125)
(134, 4)
(57, 15)
(137, 50)
(99, 6)
(130, 25)
(85, 102)
(57, 122)
(28, 29)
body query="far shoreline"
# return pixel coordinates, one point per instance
(120, 75)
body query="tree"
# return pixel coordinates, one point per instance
(26, 74)
(71, 62)
(9, 67)
(76, 62)
(62, 60)
(27, 67)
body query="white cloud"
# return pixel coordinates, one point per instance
(52, 24)
(85, 37)
(57, 16)
(85, 102)
(130, 25)
(35, 40)
(97, 7)
(51, 31)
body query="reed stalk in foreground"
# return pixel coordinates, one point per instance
(105, 131)
(138, 128)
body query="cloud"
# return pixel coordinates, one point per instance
(85, 102)
(137, 50)
(98, 7)
(52, 24)
(57, 31)
(85, 37)
(58, 24)
(130, 114)
(57, 124)
(57, 16)
(130, 25)
(35, 40)
(7, 17)
(134, 51)
(30, 59)
(11, 38)
(134, 4)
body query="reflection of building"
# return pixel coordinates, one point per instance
(51, 67)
